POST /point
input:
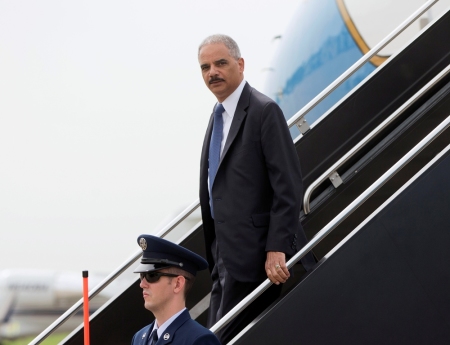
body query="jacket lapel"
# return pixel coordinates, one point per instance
(238, 119)
(146, 335)
(204, 163)
(167, 337)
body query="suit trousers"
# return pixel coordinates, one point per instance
(227, 292)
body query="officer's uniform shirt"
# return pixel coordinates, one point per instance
(160, 330)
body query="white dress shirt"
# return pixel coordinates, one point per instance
(230, 105)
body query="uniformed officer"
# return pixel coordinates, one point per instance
(167, 274)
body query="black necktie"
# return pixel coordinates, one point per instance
(214, 149)
(153, 337)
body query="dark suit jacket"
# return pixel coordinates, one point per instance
(182, 331)
(257, 191)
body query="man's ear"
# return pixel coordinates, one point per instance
(179, 284)
(241, 64)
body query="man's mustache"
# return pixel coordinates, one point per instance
(214, 79)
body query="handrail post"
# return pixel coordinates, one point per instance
(78, 305)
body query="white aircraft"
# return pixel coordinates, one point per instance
(30, 300)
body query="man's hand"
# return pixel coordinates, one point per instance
(276, 269)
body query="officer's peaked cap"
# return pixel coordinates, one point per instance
(158, 253)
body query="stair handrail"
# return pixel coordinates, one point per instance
(335, 222)
(332, 170)
(298, 118)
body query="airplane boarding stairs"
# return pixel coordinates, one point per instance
(388, 282)
(418, 77)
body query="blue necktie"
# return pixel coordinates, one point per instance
(153, 337)
(214, 149)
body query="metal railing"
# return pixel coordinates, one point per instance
(332, 172)
(335, 222)
(299, 118)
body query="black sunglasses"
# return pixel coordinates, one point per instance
(153, 277)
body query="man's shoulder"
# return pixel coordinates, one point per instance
(186, 331)
(258, 96)
(192, 330)
(193, 326)
(259, 104)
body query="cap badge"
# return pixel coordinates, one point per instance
(166, 336)
(143, 243)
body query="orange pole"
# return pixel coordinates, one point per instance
(86, 307)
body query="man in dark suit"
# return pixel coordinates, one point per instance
(250, 188)
(167, 273)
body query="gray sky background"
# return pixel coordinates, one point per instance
(102, 116)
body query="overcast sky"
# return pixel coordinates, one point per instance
(102, 116)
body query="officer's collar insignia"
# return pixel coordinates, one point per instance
(143, 335)
(143, 243)
(166, 336)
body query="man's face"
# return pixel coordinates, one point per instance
(221, 72)
(157, 295)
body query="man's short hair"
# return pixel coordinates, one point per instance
(226, 40)
(180, 272)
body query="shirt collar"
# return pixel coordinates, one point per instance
(166, 324)
(230, 104)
